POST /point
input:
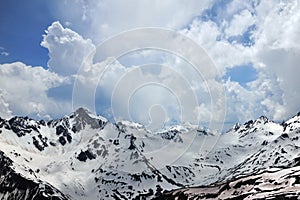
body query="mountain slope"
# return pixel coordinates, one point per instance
(274, 184)
(15, 186)
(271, 172)
(84, 156)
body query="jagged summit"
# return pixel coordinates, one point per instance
(82, 111)
(262, 119)
(82, 117)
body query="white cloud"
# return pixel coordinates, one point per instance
(240, 23)
(284, 64)
(67, 49)
(24, 90)
(277, 47)
(279, 25)
(275, 55)
(102, 19)
(5, 112)
(262, 97)
(224, 53)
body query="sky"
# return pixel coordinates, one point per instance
(48, 66)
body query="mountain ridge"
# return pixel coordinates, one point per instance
(84, 156)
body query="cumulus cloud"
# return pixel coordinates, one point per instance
(224, 54)
(101, 19)
(262, 97)
(271, 47)
(45, 93)
(67, 49)
(274, 54)
(277, 49)
(24, 91)
(240, 22)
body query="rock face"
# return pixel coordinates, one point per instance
(83, 156)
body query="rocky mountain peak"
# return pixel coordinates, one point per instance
(262, 119)
(83, 117)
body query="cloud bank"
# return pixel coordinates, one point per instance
(259, 34)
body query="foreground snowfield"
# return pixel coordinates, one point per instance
(84, 156)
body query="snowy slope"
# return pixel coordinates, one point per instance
(270, 169)
(15, 186)
(84, 156)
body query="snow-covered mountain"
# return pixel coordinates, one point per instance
(84, 156)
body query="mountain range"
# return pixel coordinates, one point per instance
(84, 156)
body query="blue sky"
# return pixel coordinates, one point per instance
(22, 27)
(254, 52)
(242, 74)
